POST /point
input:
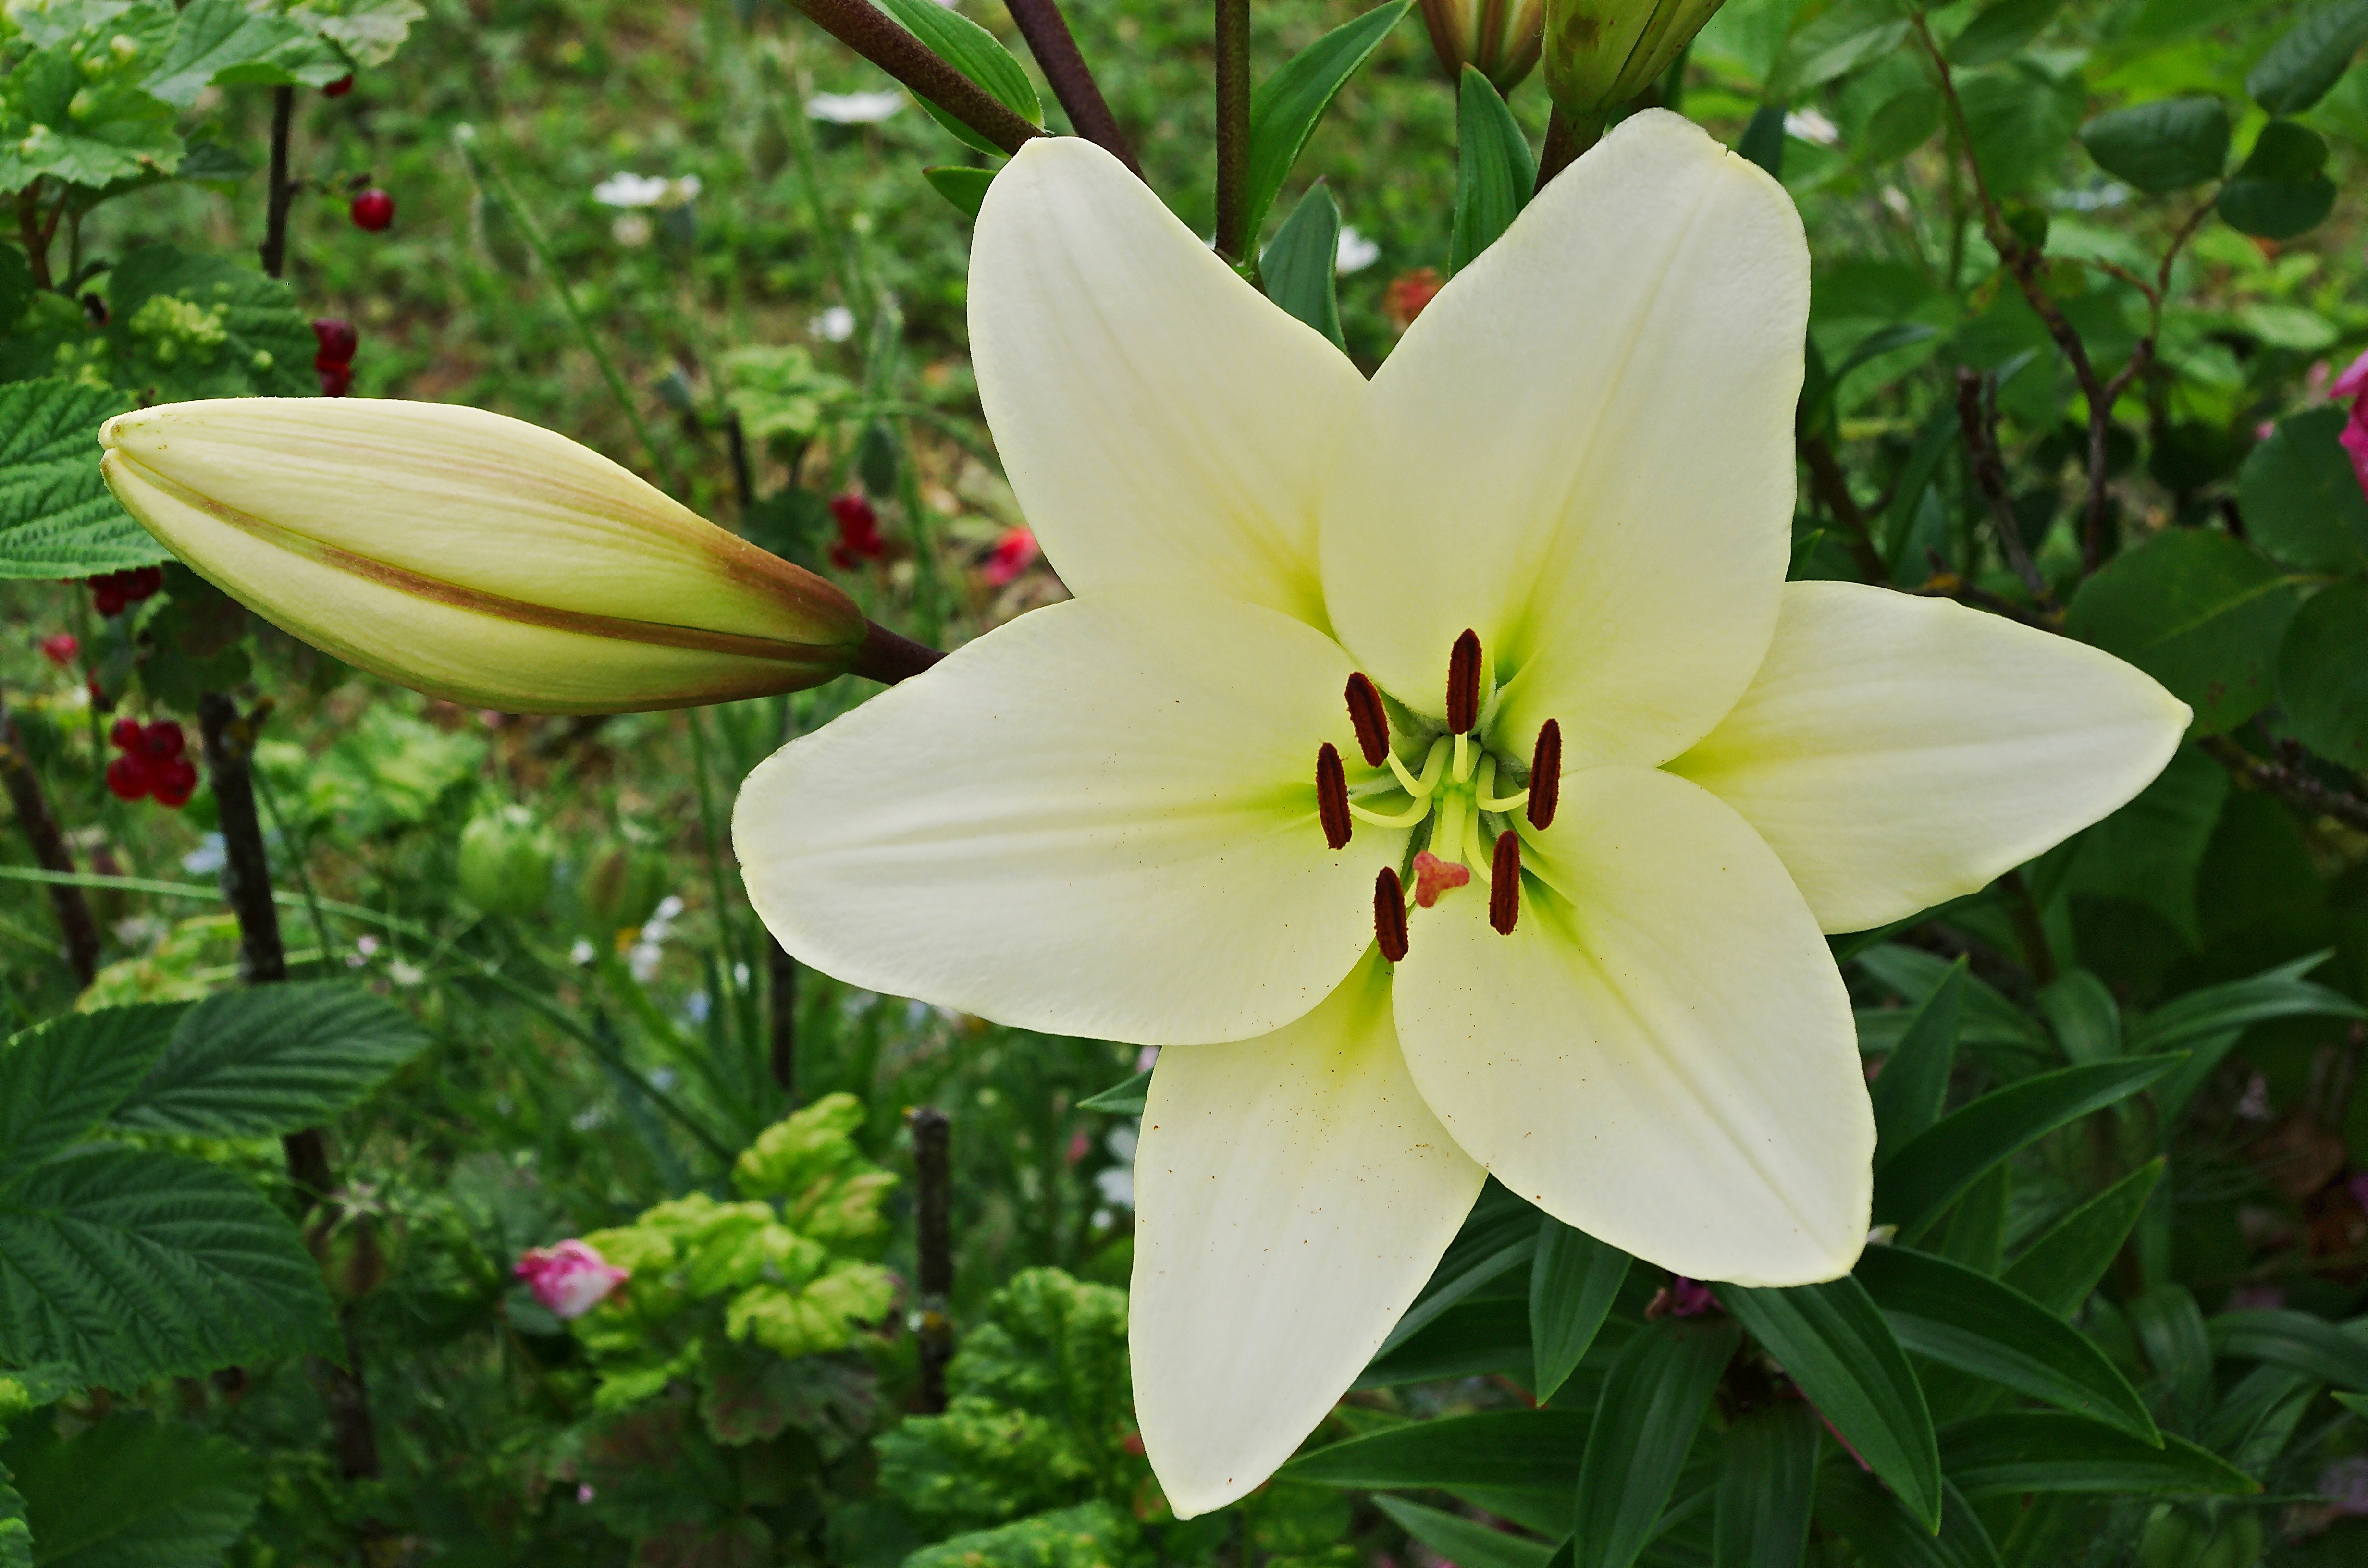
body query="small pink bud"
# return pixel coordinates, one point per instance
(570, 1278)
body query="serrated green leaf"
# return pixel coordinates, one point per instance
(1766, 1488)
(133, 1265)
(267, 1060)
(977, 54)
(74, 109)
(2322, 680)
(372, 31)
(2063, 1265)
(1494, 170)
(2200, 613)
(2300, 497)
(1653, 1401)
(1286, 106)
(2281, 190)
(1091, 1534)
(226, 42)
(1301, 265)
(1513, 1449)
(2294, 1340)
(60, 1079)
(1834, 1342)
(191, 325)
(2045, 1451)
(56, 517)
(1909, 1091)
(1854, 1504)
(1465, 1542)
(133, 1492)
(1574, 1279)
(2296, 71)
(2000, 29)
(2161, 147)
(1975, 1323)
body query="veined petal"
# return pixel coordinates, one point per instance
(1583, 451)
(1161, 420)
(1099, 819)
(1293, 1195)
(1897, 751)
(1661, 1052)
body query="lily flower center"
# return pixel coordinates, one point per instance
(1464, 827)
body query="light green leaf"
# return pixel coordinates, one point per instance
(1493, 171)
(133, 1492)
(227, 43)
(2063, 1265)
(1301, 265)
(1654, 1398)
(2045, 1451)
(1286, 106)
(56, 517)
(60, 1079)
(1766, 1488)
(2300, 497)
(1120, 1099)
(1091, 1534)
(2322, 680)
(2161, 147)
(262, 1061)
(975, 53)
(2019, 119)
(2298, 69)
(960, 185)
(372, 31)
(1574, 1279)
(1465, 1542)
(2199, 612)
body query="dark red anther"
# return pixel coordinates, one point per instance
(1545, 774)
(1505, 885)
(1389, 914)
(1463, 683)
(1332, 797)
(1372, 721)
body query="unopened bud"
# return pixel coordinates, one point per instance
(472, 556)
(1499, 37)
(1602, 54)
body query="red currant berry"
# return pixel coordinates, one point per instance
(373, 209)
(175, 781)
(144, 582)
(108, 602)
(125, 733)
(340, 88)
(60, 649)
(162, 740)
(337, 339)
(129, 778)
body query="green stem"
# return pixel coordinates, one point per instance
(1234, 130)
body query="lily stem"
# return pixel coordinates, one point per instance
(1233, 131)
(888, 657)
(1055, 49)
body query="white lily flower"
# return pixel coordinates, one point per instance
(1153, 814)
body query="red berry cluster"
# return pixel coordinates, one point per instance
(335, 362)
(859, 532)
(372, 209)
(111, 594)
(152, 763)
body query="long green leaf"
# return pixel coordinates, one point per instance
(2045, 1451)
(1923, 1178)
(1521, 1448)
(2279, 992)
(1121, 1099)
(2170, 1329)
(1286, 106)
(271, 1058)
(1493, 171)
(1765, 1489)
(1472, 1337)
(1834, 1343)
(2294, 1340)
(1574, 1279)
(2062, 1267)
(59, 1080)
(1854, 1504)
(975, 53)
(1500, 1234)
(1300, 267)
(1653, 1401)
(1972, 1323)
(1914, 1083)
(1466, 1542)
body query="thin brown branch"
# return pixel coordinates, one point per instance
(1055, 49)
(1832, 487)
(28, 229)
(23, 786)
(1989, 475)
(2293, 785)
(281, 192)
(1233, 242)
(868, 30)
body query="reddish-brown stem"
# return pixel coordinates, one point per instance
(2292, 785)
(1055, 49)
(1989, 477)
(868, 30)
(50, 849)
(888, 658)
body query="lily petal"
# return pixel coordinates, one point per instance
(1293, 1195)
(1898, 751)
(1160, 420)
(1583, 451)
(1099, 819)
(1661, 1052)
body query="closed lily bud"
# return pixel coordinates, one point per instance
(472, 556)
(1601, 53)
(1500, 37)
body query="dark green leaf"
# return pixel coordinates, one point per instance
(2281, 188)
(2279, 992)
(973, 50)
(1838, 41)
(1763, 138)
(2199, 612)
(1300, 268)
(1490, 1334)
(1989, 1019)
(16, 1535)
(2018, 119)
(2164, 146)
(134, 1264)
(1286, 105)
(1524, 1449)
(2295, 1340)
(56, 518)
(1466, 1542)
(1765, 1489)
(59, 1080)
(1652, 1400)
(2000, 29)
(1854, 1504)
(2086, 1018)
(2150, 851)
(1832, 1341)
(1573, 1281)
(1914, 1185)
(1913, 1082)
(268, 1059)
(133, 1492)
(2169, 1328)
(1493, 171)
(1500, 1234)
(2322, 680)
(2063, 1265)
(2045, 1451)
(960, 185)
(2298, 69)
(2300, 497)
(1817, 394)
(1965, 1320)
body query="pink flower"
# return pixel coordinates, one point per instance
(1681, 1298)
(2354, 384)
(570, 1278)
(1013, 553)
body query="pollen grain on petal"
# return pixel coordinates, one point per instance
(1545, 774)
(1390, 915)
(1433, 876)
(1332, 797)
(1463, 683)
(1505, 883)
(1371, 720)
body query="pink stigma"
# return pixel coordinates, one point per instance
(1433, 876)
